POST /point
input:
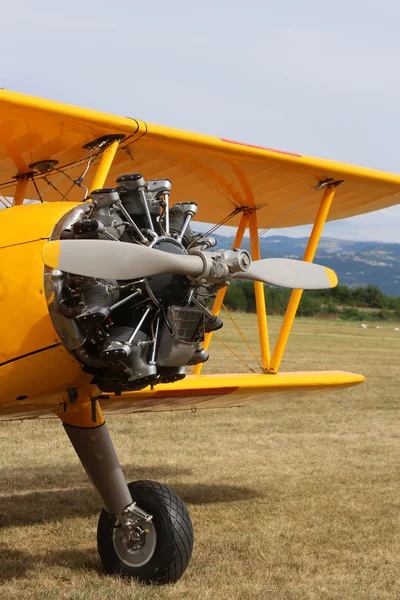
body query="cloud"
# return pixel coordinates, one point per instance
(313, 77)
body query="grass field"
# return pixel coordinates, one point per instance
(289, 500)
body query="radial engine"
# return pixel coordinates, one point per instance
(131, 334)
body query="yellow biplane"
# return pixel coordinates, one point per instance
(105, 287)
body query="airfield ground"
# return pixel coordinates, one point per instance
(289, 500)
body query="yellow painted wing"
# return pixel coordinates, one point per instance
(224, 391)
(218, 174)
(198, 392)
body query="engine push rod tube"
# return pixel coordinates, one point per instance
(205, 310)
(132, 222)
(124, 300)
(146, 208)
(184, 227)
(153, 352)
(146, 312)
(166, 209)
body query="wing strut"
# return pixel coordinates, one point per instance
(296, 294)
(259, 293)
(104, 166)
(249, 217)
(22, 184)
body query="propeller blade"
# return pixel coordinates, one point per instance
(116, 260)
(286, 272)
(122, 260)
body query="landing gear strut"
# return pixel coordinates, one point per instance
(144, 531)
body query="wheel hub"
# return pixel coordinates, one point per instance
(134, 537)
(137, 547)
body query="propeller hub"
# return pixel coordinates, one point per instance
(169, 286)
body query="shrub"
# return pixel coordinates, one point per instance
(352, 314)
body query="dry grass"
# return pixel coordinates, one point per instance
(290, 500)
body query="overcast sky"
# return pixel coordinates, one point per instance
(317, 77)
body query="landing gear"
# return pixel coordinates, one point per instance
(152, 551)
(144, 530)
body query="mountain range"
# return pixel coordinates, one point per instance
(356, 263)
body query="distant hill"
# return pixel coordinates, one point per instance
(356, 263)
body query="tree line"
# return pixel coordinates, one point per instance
(357, 304)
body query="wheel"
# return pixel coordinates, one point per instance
(162, 552)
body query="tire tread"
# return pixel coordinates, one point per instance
(181, 528)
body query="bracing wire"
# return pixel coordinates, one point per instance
(215, 227)
(38, 194)
(285, 214)
(5, 202)
(233, 352)
(51, 184)
(243, 337)
(321, 185)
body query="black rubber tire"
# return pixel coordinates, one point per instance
(174, 531)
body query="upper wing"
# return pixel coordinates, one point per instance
(218, 174)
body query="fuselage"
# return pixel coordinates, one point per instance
(35, 367)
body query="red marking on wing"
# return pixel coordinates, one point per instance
(220, 391)
(261, 147)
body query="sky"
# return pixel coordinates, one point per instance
(318, 78)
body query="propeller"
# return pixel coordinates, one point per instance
(122, 260)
